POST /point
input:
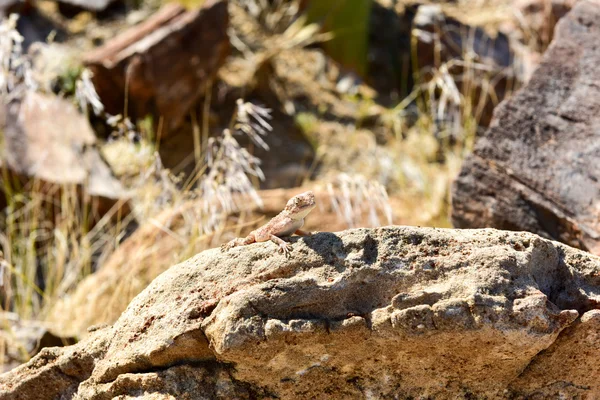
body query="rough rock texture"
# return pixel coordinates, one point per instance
(154, 247)
(164, 64)
(376, 313)
(536, 168)
(46, 139)
(544, 377)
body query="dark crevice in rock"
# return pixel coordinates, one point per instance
(192, 377)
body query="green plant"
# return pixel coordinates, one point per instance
(348, 22)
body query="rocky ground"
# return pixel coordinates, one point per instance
(137, 135)
(361, 313)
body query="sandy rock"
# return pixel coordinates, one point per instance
(166, 62)
(569, 368)
(54, 373)
(206, 380)
(154, 247)
(47, 139)
(394, 311)
(536, 168)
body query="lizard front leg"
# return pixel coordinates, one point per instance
(239, 242)
(284, 247)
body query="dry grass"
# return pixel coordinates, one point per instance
(411, 151)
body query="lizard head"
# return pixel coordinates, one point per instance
(300, 205)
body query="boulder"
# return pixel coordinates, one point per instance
(46, 140)
(163, 65)
(537, 168)
(381, 313)
(167, 239)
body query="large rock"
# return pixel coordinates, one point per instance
(537, 167)
(162, 66)
(381, 313)
(167, 239)
(544, 377)
(45, 139)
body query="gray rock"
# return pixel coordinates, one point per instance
(45, 138)
(537, 168)
(386, 312)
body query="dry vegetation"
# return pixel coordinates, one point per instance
(377, 164)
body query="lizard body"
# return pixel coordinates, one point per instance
(286, 223)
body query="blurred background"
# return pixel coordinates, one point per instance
(136, 133)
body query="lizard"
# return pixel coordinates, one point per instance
(286, 223)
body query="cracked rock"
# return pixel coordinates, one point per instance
(537, 168)
(425, 312)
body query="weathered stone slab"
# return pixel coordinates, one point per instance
(537, 168)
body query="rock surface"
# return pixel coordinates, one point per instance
(165, 240)
(163, 64)
(536, 169)
(386, 312)
(47, 140)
